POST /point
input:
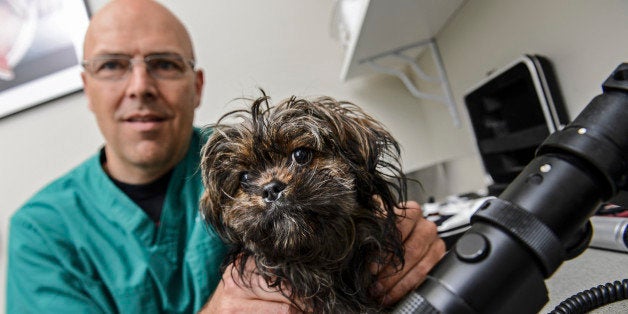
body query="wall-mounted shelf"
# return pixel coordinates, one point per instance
(390, 34)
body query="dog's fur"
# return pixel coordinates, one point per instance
(292, 187)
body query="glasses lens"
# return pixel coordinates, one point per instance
(166, 66)
(109, 68)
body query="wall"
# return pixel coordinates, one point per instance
(583, 39)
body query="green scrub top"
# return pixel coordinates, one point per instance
(81, 245)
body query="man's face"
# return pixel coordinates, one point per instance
(146, 121)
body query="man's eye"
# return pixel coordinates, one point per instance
(112, 65)
(302, 156)
(165, 65)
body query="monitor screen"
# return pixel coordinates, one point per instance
(511, 113)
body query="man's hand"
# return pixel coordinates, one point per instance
(233, 296)
(423, 249)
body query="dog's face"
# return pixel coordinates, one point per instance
(294, 184)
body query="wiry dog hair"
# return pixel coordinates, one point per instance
(292, 187)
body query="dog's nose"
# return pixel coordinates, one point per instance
(272, 191)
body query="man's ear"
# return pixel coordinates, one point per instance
(199, 81)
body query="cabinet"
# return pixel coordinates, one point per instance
(387, 36)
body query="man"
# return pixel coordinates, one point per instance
(121, 232)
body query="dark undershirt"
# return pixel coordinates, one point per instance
(149, 197)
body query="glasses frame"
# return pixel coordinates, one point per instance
(87, 65)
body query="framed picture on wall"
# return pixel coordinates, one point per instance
(40, 51)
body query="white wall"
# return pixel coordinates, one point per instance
(284, 47)
(583, 39)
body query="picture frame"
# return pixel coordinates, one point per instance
(41, 44)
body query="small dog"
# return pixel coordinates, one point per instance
(308, 190)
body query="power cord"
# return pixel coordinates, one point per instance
(593, 298)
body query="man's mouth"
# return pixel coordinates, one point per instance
(145, 122)
(145, 119)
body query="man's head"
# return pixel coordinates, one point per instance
(145, 114)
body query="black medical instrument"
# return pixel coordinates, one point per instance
(541, 219)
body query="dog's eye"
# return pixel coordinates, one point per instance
(302, 156)
(244, 177)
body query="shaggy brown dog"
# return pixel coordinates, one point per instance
(292, 187)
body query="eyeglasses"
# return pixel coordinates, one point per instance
(159, 66)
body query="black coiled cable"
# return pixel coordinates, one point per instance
(593, 298)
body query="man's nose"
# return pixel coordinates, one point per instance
(140, 83)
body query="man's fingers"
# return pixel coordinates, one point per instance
(422, 250)
(404, 282)
(233, 295)
(252, 285)
(409, 213)
(410, 216)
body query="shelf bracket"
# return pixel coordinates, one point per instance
(446, 97)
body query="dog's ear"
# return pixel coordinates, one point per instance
(220, 178)
(370, 149)
(210, 200)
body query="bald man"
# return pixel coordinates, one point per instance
(121, 232)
